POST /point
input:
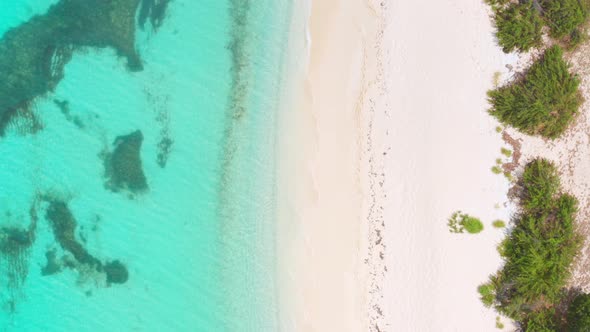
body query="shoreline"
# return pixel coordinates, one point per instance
(321, 233)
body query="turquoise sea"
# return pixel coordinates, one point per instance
(137, 164)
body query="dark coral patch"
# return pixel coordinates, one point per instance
(53, 265)
(123, 167)
(154, 10)
(34, 54)
(15, 247)
(116, 272)
(64, 225)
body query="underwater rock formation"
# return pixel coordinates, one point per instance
(14, 251)
(33, 55)
(154, 10)
(15, 245)
(64, 225)
(164, 149)
(116, 272)
(53, 266)
(123, 167)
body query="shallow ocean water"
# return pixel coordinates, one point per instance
(198, 244)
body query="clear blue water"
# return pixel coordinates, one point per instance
(199, 243)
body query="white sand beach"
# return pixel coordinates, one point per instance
(385, 136)
(441, 145)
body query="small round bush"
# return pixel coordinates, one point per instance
(578, 317)
(499, 224)
(472, 225)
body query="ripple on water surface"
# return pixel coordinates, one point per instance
(137, 164)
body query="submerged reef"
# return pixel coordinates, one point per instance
(15, 245)
(159, 103)
(154, 10)
(33, 55)
(123, 167)
(64, 107)
(64, 225)
(116, 272)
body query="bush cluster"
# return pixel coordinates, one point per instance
(519, 23)
(544, 102)
(537, 253)
(460, 222)
(578, 316)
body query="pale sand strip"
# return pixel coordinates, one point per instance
(322, 234)
(440, 145)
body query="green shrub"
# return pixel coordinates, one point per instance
(578, 317)
(518, 27)
(541, 321)
(499, 224)
(472, 225)
(487, 293)
(506, 152)
(576, 38)
(460, 222)
(519, 23)
(537, 253)
(496, 170)
(544, 102)
(540, 182)
(563, 16)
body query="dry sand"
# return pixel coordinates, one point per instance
(385, 136)
(440, 145)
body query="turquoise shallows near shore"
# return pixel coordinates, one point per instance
(143, 199)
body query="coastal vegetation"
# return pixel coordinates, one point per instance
(544, 101)
(537, 253)
(579, 314)
(506, 152)
(499, 224)
(564, 18)
(519, 24)
(496, 170)
(460, 222)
